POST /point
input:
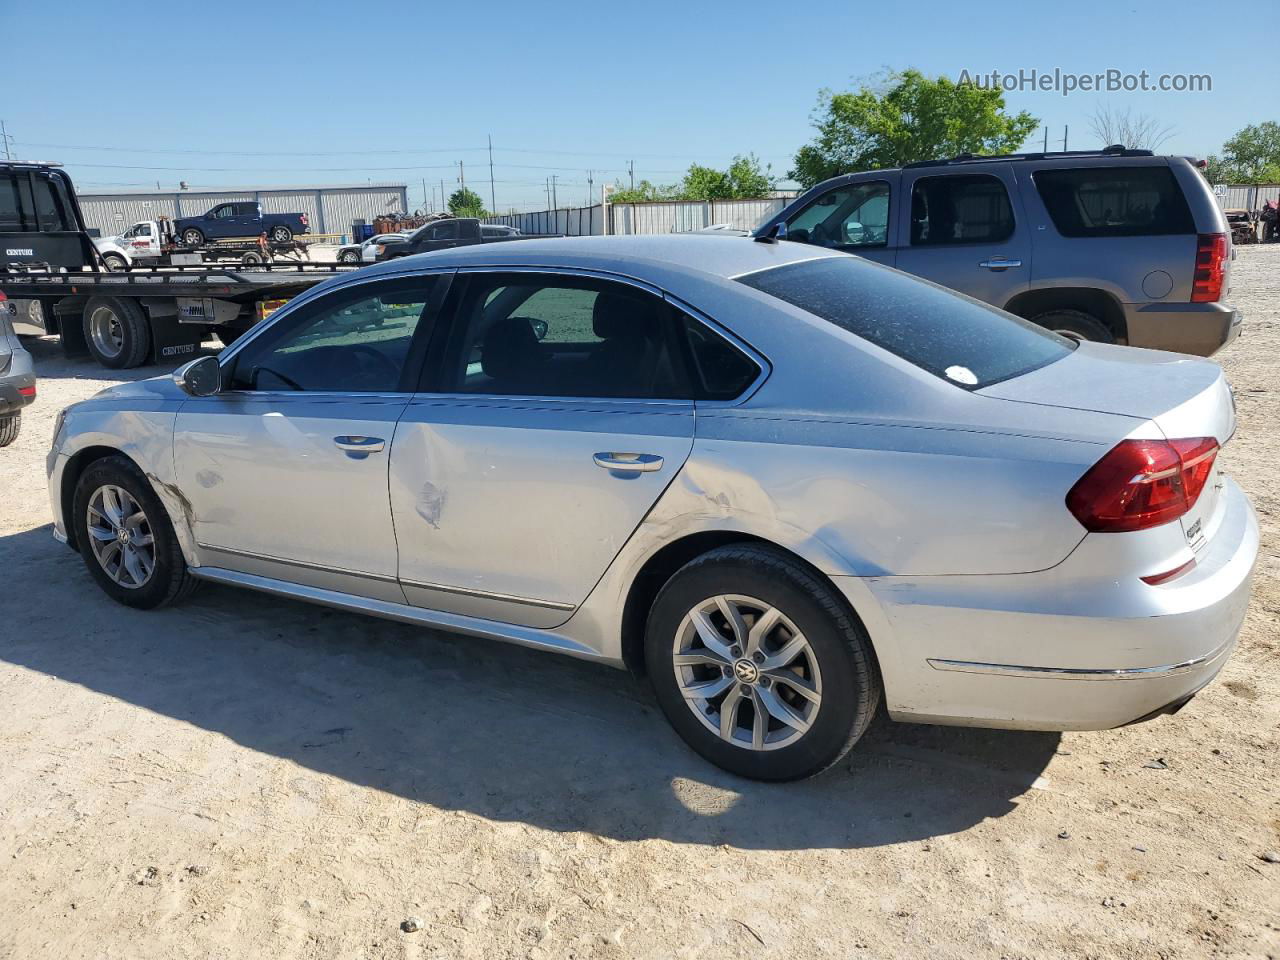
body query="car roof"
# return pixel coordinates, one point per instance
(644, 257)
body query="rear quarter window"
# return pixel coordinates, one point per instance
(1114, 201)
(952, 336)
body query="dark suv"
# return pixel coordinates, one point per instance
(1115, 245)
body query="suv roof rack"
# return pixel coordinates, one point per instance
(29, 163)
(1115, 150)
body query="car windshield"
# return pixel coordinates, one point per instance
(952, 336)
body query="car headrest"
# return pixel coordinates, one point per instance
(509, 349)
(615, 315)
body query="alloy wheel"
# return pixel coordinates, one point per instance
(120, 536)
(747, 672)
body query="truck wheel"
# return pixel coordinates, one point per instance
(1075, 324)
(116, 332)
(9, 427)
(281, 234)
(192, 237)
(115, 263)
(252, 259)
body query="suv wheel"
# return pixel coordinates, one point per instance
(126, 538)
(760, 666)
(281, 234)
(1075, 324)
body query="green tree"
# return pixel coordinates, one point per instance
(1251, 156)
(907, 118)
(743, 180)
(466, 203)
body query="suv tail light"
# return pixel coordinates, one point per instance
(1211, 267)
(1142, 483)
(305, 221)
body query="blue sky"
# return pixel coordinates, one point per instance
(294, 93)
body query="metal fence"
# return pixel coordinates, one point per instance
(1249, 197)
(668, 216)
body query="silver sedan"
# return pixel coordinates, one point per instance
(787, 484)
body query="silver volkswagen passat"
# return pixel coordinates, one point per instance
(783, 482)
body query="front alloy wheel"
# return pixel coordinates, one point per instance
(747, 672)
(120, 537)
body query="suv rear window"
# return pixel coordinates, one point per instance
(952, 336)
(1114, 201)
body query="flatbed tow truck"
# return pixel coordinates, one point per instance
(51, 270)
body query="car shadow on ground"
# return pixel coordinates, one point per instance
(500, 731)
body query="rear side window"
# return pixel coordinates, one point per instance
(951, 336)
(720, 370)
(960, 209)
(1114, 201)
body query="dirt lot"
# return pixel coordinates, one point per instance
(247, 777)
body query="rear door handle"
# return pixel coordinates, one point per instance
(629, 462)
(357, 448)
(1000, 263)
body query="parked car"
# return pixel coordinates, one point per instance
(444, 234)
(1113, 246)
(367, 250)
(241, 218)
(17, 376)
(887, 491)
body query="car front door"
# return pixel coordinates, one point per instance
(856, 217)
(966, 231)
(285, 470)
(551, 422)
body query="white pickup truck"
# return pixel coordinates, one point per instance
(153, 243)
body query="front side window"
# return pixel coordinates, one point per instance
(960, 209)
(224, 212)
(14, 214)
(356, 340)
(856, 215)
(1114, 201)
(548, 336)
(951, 336)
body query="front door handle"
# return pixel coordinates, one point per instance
(357, 448)
(1000, 263)
(629, 462)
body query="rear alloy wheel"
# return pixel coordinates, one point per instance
(281, 234)
(759, 665)
(125, 536)
(1075, 324)
(116, 332)
(9, 428)
(192, 237)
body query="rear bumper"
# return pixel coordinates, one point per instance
(11, 400)
(1197, 328)
(1059, 649)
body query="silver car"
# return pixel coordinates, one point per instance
(17, 376)
(786, 483)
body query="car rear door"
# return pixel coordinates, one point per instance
(965, 230)
(550, 422)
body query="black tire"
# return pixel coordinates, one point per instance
(850, 676)
(10, 426)
(115, 263)
(133, 344)
(192, 237)
(1075, 324)
(170, 579)
(349, 256)
(252, 258)
(281, 234)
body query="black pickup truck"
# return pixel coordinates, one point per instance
(454, 232)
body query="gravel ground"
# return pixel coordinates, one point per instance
(244, 777)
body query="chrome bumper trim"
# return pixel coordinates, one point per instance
(1078, 673)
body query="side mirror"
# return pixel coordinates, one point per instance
(201, 377)
(539, 329)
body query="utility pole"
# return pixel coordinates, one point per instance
(462, 175)
(590, 187)
(547, 187)
(444, 199)
(493, 201)
(4, 138)
(1064, 137)
(554, 203)
(1046, 139)
(424, 195)
(631, 171)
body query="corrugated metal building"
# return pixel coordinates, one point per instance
(330, 209)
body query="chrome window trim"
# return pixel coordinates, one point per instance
(1081, 673)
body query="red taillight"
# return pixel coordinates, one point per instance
(1211, 267)
(3, 298)
(1156, 579)
(27, 391)
(305, 221)
(1142, 483)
